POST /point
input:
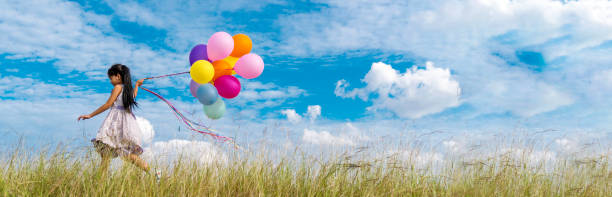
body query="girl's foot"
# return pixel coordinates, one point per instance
(158, 174)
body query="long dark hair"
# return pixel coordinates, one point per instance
(128, 93)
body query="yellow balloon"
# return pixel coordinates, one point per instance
(232, 61)
(202, 71)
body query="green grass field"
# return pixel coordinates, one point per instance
(62, 173)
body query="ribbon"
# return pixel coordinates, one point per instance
(167, 75)
(190, 124)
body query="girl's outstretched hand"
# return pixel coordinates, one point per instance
(139, 82)
(84, 117)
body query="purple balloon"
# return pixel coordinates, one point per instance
(193, 87)
(198, 53)
(228, 86)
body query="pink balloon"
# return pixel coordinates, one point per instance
(228, 86)
(193, 87)
(249, 66)
(220, 45)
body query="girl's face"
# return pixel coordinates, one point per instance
(116, 79)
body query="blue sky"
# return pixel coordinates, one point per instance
(373, 68)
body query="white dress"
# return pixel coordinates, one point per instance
(119, 133)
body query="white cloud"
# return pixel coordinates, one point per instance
(531, 157)
(533, 98)
(325, 138)
(147, 130)
(568, 146)
(598, 87)
(348, 135)
(76, 40)
(52, 118)
(29, 88)
(313, 112)
(420, 159)
(438, 27)
(84, 44)
(603, 79)
(354, 132)
(413, 94)
(189, 22)
(37, 110)
(479, 40)
(32, 109)
(187, 150)
(134, 12)
(451, 145)
(257, 95)
(292, 116)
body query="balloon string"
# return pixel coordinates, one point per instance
(173, 74)
(167, 75)
(185, 120)
(190, 124)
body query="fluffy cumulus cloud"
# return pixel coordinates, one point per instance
(413, 94)
(526, 57)
(313, 112)
(146, 129)
(325, 138)
(292, 116)
(347, 134)
(187, 150)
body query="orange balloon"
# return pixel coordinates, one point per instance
(221, 68)
(242, 45)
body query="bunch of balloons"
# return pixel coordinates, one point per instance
(214, 65)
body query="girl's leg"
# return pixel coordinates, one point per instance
(139, 162)
(105, 162)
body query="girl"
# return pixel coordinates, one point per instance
(119, 134)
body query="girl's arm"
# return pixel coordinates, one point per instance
(116, 91)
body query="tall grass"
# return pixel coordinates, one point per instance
(64, 173)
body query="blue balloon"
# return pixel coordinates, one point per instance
(198, 53)
(207, 94)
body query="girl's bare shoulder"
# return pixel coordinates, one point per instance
(118, 87)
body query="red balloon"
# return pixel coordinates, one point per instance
(228, 86)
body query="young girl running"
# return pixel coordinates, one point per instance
(119, 134)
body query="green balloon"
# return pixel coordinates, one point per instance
(216, 110)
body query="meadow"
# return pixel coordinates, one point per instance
(358, 171)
